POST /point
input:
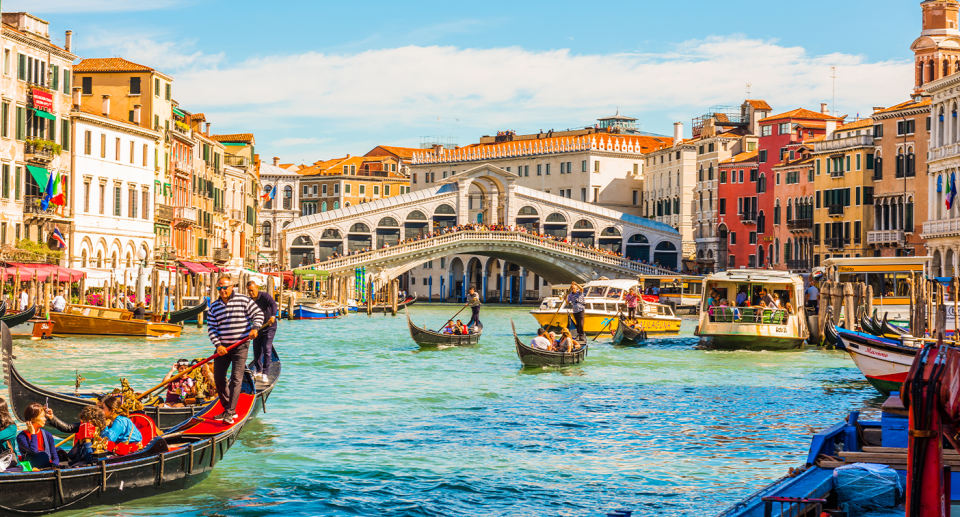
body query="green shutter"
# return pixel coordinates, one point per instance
(53, 131)
(22, 67)
(56, 77)
(21, 123)
(66, 82)
(65, 134)
(5, 120)
(168, 91)
(16, 184)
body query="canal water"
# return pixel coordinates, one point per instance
(365, 423)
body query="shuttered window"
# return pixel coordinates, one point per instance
(21, 67)
(21, 123)
(66, 82)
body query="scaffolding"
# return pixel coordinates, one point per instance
(722, 116)
(448, 142)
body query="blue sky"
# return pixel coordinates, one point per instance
(317, 80)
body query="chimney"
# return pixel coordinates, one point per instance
(76, 97)
(877, 108)
(677, 132)
(106, 105)
(276, 161)
(68, 41)
(823, 108)
(208, 129)
(136, 114)
(348, 155)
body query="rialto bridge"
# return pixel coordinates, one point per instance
(389, 237)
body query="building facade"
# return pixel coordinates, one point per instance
(277, 213)
(942, 228)
(669, 179)
(937, 50)
(793, 207)
(736, 214)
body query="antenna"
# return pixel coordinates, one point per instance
(456, 123)
(748, 90)
(833, 75)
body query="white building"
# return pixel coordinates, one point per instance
(275, 215)
(942, 228)
(669, 180)
(111, 190)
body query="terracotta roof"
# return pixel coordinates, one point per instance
(812, 125)
(246, 138)
(759, 104)
(818, 138)
(109, 64)
(926, 101)
(801, 113)
(866, 122)
(403, 152)
(799, 161)
(641, 143)
(721, 117)
(198, 116)
(742, 157)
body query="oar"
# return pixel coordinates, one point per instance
(454, 316)
(559, 306)
(605, 326)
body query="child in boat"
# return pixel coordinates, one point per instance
(122, 435)
(91, 423)
(37, 445)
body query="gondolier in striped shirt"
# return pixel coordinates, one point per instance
(231, 318)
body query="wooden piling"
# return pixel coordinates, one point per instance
(850, 310)
(394, 292)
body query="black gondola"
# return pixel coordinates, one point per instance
(387, 308)
(830, 334)
(627, 335)
(17, 318)
(430, 338)
(890, 330)
(186, 313)
(67, 407)
(869, 326)
(3, 309)
(530, 356)
(179, 459)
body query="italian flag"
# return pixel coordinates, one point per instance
(58, 197)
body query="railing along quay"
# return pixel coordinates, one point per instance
(496, 236)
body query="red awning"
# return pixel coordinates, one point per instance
(287, 276)
(213, 268)
(42, 272)
(194, 267)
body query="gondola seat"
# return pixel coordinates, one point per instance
(146, 427)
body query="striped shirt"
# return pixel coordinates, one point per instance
(229, 322)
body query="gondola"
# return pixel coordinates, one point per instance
(830, 334)
(3, 309)
(884, 362)
(869, 325)
(430, 338)
(387, 308)
(891, 330)
(179, 459)
(627, 335)
(187, 313)
(67, 407)
(532, 357)
(18, 318)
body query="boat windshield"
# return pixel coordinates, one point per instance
(614, 293)
(595, 291)
(755, 315)
(747, 295)
(885, 284)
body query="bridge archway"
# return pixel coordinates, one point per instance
(475, 274)
(416, 225)
(611, 239)
(529, 218)
(330, 243)
(388, 232)
(638, 248)
(444, 216)
(456, 283)
(359, 237)
(583, 232)
(665, 254)
(556, 225)
(302, 251)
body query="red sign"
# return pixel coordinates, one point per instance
(42, 100)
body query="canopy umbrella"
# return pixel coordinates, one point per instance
(311, 274)
(195, 268)
(42, 272)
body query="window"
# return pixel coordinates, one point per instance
(86, 196)
(596, 166)
(583, 166)
(753, 237)
(386, 190)
(733, 237)
(766, 130)
(6, 62)
(547, 173)
(877, 130)
(103, 145)
(376, 190)
(583, 194)
(723, 176)
(168, 91)
(323, 189)
(858, 196)
(117, 150)
(753, 175)
(856, 232)
(723, 206)
(17, 171)
(156, 87)
(87, 85)
(117, 201)
(784, 128)
(363, 190)
(762, 156)
(21, 123)
(66, 82)
(134, 86)
(132, 203)
(635, 197)
(6, 181)
(346, 188)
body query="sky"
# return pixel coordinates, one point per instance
(319, 80)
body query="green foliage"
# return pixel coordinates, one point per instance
(28, 250)
(39, 143)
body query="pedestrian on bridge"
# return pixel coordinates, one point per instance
(473, 300)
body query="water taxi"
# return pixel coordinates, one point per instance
(681, 292)
(749, 326)
(888, 277)
(603, 299)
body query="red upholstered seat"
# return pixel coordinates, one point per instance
(145, 425)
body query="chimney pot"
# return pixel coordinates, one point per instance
(76, 97)
(677, 132)
(824, 109)
(136, 114)
(106, 105)
(208, 129)
(276, 161)
(68, 41)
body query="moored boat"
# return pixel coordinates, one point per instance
(751, 327)
(408, 301)
(883, 361)
(627, 335)
(187, 313)
(429, 338)
(304, 311)
(91, 320)
(534, 357)
(603, 301)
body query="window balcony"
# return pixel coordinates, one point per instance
(941, 228)
(748, 217)
(184, 217)
(887, 238)
(40, 151)
(221, 255)
(163, 213)
(800, 225)
(32, 207)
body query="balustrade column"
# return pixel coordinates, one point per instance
(523, 284)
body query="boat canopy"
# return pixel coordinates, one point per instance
(42, 272)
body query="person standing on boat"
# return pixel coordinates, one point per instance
(229, 319)
(473, 300)
(575, 300)
(812, 297)
(24, 299)
(263, 344)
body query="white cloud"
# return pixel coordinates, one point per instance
(292, 141)
(147, 49)
(86, 6)
(501, 86)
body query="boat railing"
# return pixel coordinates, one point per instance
(497, 236)
(754, 315)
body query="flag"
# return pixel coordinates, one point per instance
(270, 195)
(57, 236)
(58, 198)
(47, 194)
(951, 190)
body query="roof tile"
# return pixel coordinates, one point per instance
(109, 64)
(801, 113)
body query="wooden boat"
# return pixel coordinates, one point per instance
(19, 318)
(410, 300)
(176, 460)
(627, 335)
(186, 313)
(752, 328)
(603, 300)
(91, 320)
(830, 334)
(430, 338)
(884, 362)
(305, 311)
(869, 326)
(3, 308)
(890, 330)
(530, 356)
(67, 407)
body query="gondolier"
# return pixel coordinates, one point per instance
(473, 300)
(575, 300)
(263, 344)
(229, 319)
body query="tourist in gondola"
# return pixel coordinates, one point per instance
(541, 342)
(230, 318)
(180, 389)
(575, 300)
(120, 429)
(82, 453)
(36, 444)
(632, 299)
(473, 300)
(448, 328)
(263, 343)
(9, 454)
(567, 344)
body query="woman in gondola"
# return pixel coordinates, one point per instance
(120, 429)
(567, 344)
(36, 444)
(9, 453)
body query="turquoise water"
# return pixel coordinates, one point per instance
(365, 423)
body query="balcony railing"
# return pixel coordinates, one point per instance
(164, 213)
(886, 237)
(39, 153)
(185, 216)
(941, 228)
(31, 206)
(843, 143)
(798, 264)
(748, 217)
(800, 224)
(219, 209)
(221, 255)
(835, 210)
(236, 215)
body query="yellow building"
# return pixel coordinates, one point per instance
(341, 182)
(843, 204)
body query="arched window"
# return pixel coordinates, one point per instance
(940, 128)
(129, 260)
(946, 68)
(761, 223)
(911, 162)
(638, 239)
(323, 206)
(610, 231)
(99, 259)
(267, 227)
(666, 246)
(416, 215)
(303, 240)
(528, 210)
(583, 224)
(676, 205)
(359, 228)
(789, 210)
(336, 205)
(113, 260)
(83, 259)
(330, 234)
(445, 210)
(287, 197)
(268, 205)
(388, 221)
(776, 212)
(556, 218)
(776, 259)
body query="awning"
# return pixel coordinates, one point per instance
(179, 113)
(311, 274)
(40, 175)
(194, 268)
(44, 114)
(213, 268)
(42, 271)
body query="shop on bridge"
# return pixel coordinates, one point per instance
(302, 251)
(388, 232)
(331, 242)
(416, 225)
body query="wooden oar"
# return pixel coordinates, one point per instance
(607, 325)
(559, 306)
(454, 316)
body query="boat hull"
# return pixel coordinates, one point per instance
(625, 335)
(429, 338)
(387, 308)
(885, 365)
(595, 322)
(304, 312)
(75, 324)
(532, 357)
(749, 342)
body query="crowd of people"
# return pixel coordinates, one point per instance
(761, 299)
(550, 342)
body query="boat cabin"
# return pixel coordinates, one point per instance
(739, 294)
(887, 275)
